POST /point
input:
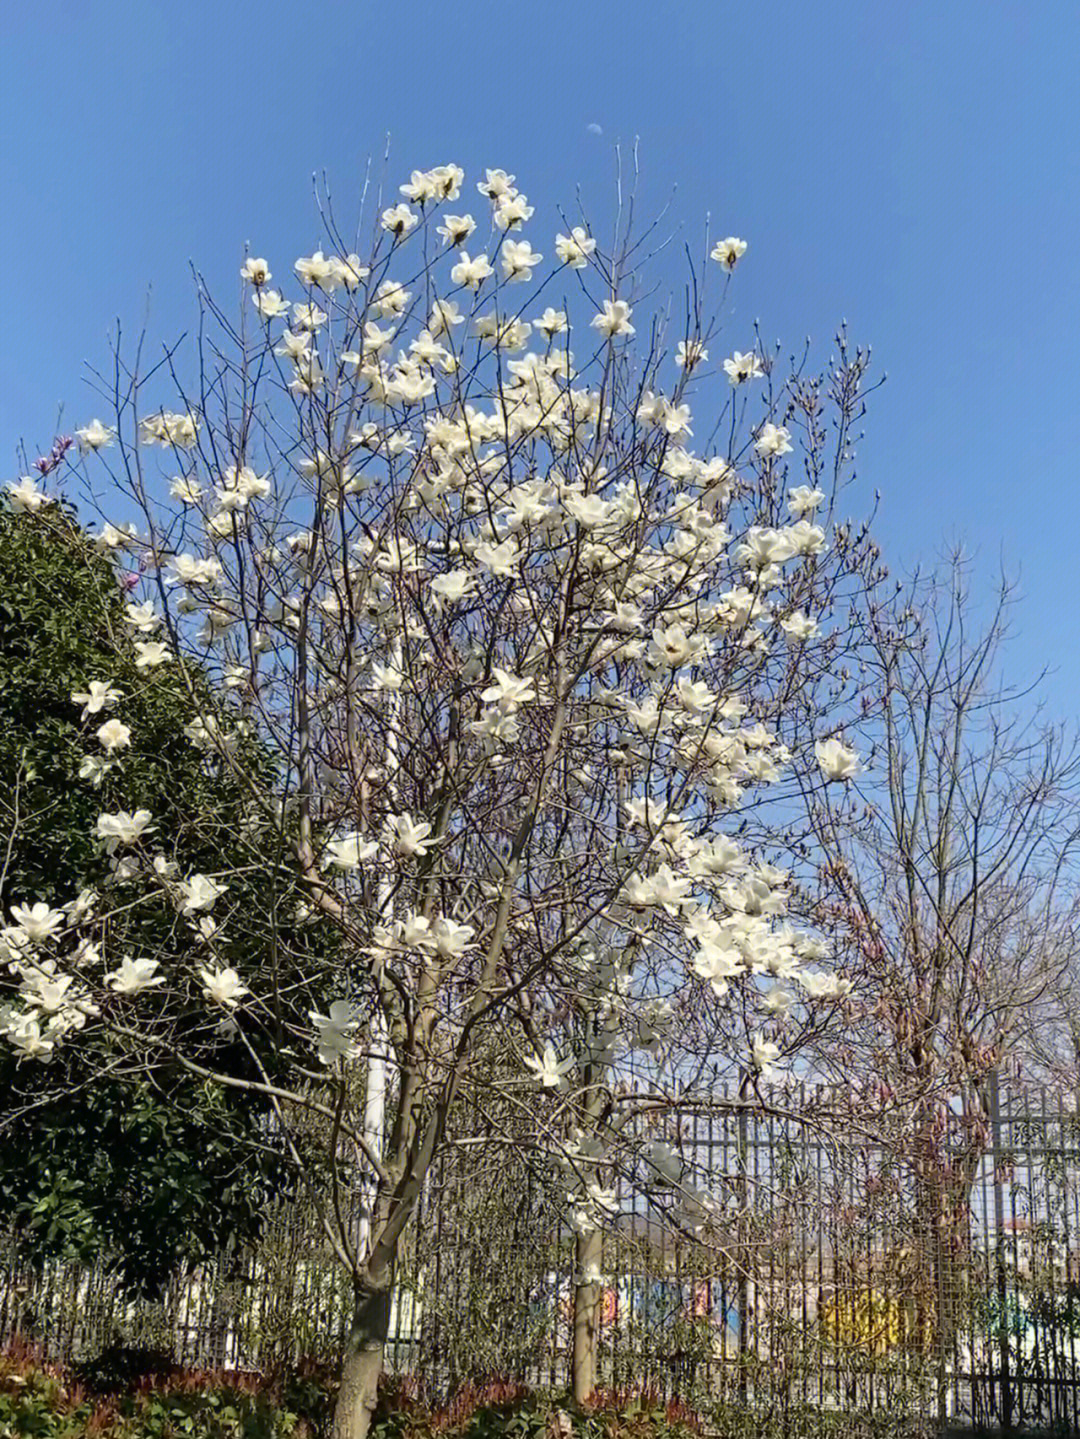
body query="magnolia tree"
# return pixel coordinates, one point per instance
(431, 519)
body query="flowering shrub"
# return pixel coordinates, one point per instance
(150, 1171)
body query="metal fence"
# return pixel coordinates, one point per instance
(841, 1275)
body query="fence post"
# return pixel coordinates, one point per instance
(996, 1151)
(743, 1246)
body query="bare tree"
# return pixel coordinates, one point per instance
(950, 869)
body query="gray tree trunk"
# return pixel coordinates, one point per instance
(588, 1251)
(362, 1365)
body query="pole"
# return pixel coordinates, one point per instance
(994, 1095)
(375, 1100)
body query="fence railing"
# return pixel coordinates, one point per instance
(838, 1276)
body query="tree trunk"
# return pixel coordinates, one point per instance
(362, 1365)
(588, 1250)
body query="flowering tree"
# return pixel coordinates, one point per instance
(100, 1155)
(526, 663)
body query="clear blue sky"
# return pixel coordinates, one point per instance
(910, 167)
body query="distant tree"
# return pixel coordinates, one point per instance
(951, 868)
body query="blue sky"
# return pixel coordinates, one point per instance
(909, 168)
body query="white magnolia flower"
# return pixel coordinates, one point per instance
(170, 430)
(614, 319)
(270, 304)
(335, 1032)
(666, 1164)
(200, 892)
(386, 677)
(94, 436)
(39, 922)
(142, 617)
(511, 211)
(690, 354)
(518, 260)
(717, 965)
(696, 1207)
(663, 888)
(29, 1041)
(837, 760)
(98, 695)
(449, 938)
(316, 271)
(134, 975)
(223, 986)
(454, 585)
(309, 317)
(727, 253)
(456, 229)
(574, 249)
(549, 1069)
(398, 220)
(819, 985)
(81, 907)
(773, 440)
(26, 496)
(496, 184)
(508, 692)
(764, 1055)
(123, 828)
(740, 368)
(255, 271)
(501, 559)
(151, 653)
(351, 271)
(85, 953)
(802, 500)
(778, 1002)
(552, 322)
(407, 837)
(112, 538)
(799, 627)
(186, 489)
(114, 735)
(471, 273)
(349, 852)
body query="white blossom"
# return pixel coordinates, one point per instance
(98, 695)
(837, 760)
(223, 986)
(134, 975)
(550, 1071)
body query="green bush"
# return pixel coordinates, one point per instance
(512, 1411)
(111, 1400)
(43, 1402)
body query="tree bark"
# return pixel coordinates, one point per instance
(362, 1365)
(588, 1250)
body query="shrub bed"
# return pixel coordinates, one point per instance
(141, 1394)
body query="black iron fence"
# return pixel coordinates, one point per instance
(942, 1283)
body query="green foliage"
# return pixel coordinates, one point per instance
(61, 625)
(512, 1411)
(126, 1173)
(39, 1405)
(153, 1170)
(122, 1405)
